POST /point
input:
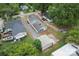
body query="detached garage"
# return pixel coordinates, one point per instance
(45, 41)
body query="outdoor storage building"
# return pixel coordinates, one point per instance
(45, 41)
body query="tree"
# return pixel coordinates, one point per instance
(43, 7)
(8, 10)
(64, 15)
(37, 44)
(72, 36)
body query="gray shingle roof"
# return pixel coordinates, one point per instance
(16, 26)
(35, 21)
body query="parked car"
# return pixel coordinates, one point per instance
(8, 38)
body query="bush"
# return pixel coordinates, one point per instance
(37, 44)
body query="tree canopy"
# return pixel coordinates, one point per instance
(37, 44)
(64, 15)
(8, 10)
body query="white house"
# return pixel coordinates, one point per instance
(1, 25)
(45, 41)
(66, 50)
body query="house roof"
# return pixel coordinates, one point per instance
(16, 26)
(35, 21)
(66, 50)
(45, 40)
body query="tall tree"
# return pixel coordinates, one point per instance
(64, 15)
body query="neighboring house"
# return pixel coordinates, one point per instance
(45, 41)
(66, 50)
(18, 30)
(35, 22)
(1, 24)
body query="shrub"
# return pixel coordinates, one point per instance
(37, 44)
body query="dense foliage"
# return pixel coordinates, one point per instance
(37, 44)
(64, 15)
(43, 7)
(8, 10)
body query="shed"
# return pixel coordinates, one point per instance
(45, 41)
(66, 50)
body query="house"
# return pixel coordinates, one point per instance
(1, 24)
(36, 24)
(45, 41)
(66, 50)
(18, 30)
